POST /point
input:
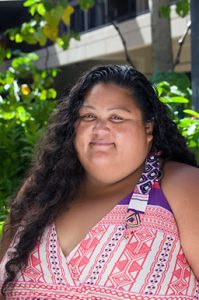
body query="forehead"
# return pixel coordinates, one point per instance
(109, 94)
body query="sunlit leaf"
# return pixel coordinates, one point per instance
(40, 37)
(54, 16)
(30, 2)
(64, 41)
(52, 94)
(33, 56)
(33, 10)
(192, 144)
(68, 11)
(175, 90)
(191, 112)
(51, 32)
(54, 72)
(179, 100)
(8, 53)
(43, 95)
(185, 122)
(7, 115)
(191, 129)
(165, 99)
(18, 38)
(30, 39)
(41, 9)
(57, 11)
(44, 74)
(22, 114)
(6, 86)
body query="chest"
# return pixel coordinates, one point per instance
(73, 225)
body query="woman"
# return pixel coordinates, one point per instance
(93, 222)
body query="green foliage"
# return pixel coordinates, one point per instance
(86, 4)
(45, 23)
(182, 8)
(26, 101)
(176, 94)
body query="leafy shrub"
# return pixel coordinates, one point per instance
(176, 93)
(26, 101)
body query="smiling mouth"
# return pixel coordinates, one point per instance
(101, 144)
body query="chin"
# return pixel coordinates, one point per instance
(104, 181)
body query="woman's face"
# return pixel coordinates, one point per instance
(112, 140)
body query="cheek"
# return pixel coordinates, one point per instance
(134, 140)
(82, 133)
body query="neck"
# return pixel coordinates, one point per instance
(92, 188)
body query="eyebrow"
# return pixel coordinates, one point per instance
(109, 109)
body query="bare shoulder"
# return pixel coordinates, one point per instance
(180, 185)
(180, 177)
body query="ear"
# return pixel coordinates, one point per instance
(149, 126)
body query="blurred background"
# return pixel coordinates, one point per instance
(46, 44)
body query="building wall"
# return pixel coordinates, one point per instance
(104, 45)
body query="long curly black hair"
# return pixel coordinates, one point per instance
(56, 172)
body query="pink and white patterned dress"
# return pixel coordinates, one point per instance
(148, 263)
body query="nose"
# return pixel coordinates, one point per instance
(101, 125)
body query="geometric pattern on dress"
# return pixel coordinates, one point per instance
(131, 261)
(196, 291)
(159, 219)
(104, 258)
(159, 267)
(54, 258)
(181, 276)
(121, 274)
(84, 252)
(48, 292)
(33, 272)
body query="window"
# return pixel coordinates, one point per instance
(106, 11)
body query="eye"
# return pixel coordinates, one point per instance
(87, 117)
(116, 118)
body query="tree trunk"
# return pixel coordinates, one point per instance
(162, 54)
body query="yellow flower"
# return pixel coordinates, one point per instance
(25, 89)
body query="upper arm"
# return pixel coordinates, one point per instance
(181, 188)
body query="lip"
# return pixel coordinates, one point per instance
(101, 144)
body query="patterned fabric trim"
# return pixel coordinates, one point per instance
(140, 196)
(85, 292)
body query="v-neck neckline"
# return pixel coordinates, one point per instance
(70, 254)
(151, 165)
